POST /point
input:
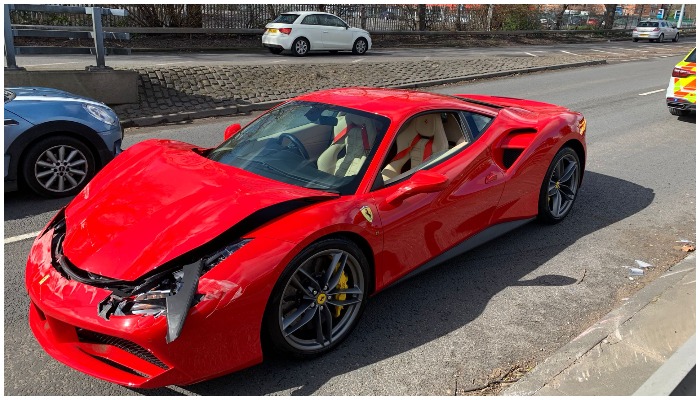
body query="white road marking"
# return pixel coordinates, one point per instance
(652, 92)
(41, 65)
(609, 52)
(21, 237)
(568, 52)
(358, 60)
(530, 54)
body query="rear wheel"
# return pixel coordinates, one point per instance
(635, 40)
(300, 47)
(275, 50)
(58, 166)
(678, 112)
(318, 300)
(661, 38)
(560, 186)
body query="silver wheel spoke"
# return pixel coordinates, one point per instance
(301, 287)
(567, 193)
(44, 164)
(76, 171)
(343, 303)
(312, 281)
(556, 204)
(50, 181)
(43, 174)
(77, 162)
(71, 155)
(51, 156)
(552, 189)
(328, 323)
(61, 153)
(61, 183)
(307, 312)
(335, 278)
(350, 291)
(568, 173)
(72, 181)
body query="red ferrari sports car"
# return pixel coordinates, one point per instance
(176, 263)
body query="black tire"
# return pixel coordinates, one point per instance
(660, 39)
(333, 51)
(564, 187)
(301, 47)
(302, 341)
(275, 50)
(676, 38)
(72, 166)
(678, 112)
(635, 40)
(359, 47)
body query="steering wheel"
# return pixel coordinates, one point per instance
(296, 143)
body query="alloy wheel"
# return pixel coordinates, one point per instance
(321, 300)
(61, 168)
(563, 185)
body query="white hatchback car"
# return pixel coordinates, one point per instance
(306, 31)
(655, 31)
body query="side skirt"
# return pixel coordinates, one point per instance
(480, 238)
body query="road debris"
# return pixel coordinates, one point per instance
(643, 264)
(636, 271)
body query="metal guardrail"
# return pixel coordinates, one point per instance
(96, 32)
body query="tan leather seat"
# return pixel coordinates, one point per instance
(349, 151)
(423, 137)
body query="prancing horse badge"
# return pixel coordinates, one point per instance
(367, 213)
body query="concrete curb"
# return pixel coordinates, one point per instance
(227, 111)
(577, 348)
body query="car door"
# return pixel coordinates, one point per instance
(421, 227)
(313, 30)
(336, 36)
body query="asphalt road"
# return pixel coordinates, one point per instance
(510, 302)
(623, 50)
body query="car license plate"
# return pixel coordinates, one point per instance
(272, 30)
(643, 35)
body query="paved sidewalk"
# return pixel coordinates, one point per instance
(172, 94)
(618, 354)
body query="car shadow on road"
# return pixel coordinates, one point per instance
(441, 300)
(23, 203)
(687, 118)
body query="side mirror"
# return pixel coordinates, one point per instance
(231, 130)
(421, 182)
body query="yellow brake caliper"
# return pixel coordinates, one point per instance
(342, 284)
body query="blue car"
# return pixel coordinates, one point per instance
(56, 141)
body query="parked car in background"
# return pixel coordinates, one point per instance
(302, 32)
(56, 141)
(655, 31)
(680, 94)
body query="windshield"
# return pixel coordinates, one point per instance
(312, 145)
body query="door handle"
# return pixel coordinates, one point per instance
(11, 122)
(490, 177)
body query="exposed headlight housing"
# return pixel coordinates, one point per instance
(101, 114)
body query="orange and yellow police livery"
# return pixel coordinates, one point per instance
(680, 94)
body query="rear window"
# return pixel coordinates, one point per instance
(648, 25)
(286, 18)
(691, 57)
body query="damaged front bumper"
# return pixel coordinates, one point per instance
(219, 334)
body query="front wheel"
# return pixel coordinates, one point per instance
(58, 166)
(560, 186)
(360, 46)
(318, 300)
(675, 38)
(300, 47)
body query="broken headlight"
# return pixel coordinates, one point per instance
(169, 293)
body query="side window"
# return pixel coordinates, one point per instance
(310, 20)
(476, 123)
(335, 21)
(422, 142)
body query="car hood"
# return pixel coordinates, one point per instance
(46, 94)
(159, 200)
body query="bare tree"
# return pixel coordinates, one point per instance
(560, 16)
(489, 18)
(609, 15)
(421, 17)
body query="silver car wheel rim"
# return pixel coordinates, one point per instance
(321, 300)
(61, 168)
(361, 47)
(563, 185)
(301, 47)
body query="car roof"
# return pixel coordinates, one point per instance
(397, 104)
(307, 12)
